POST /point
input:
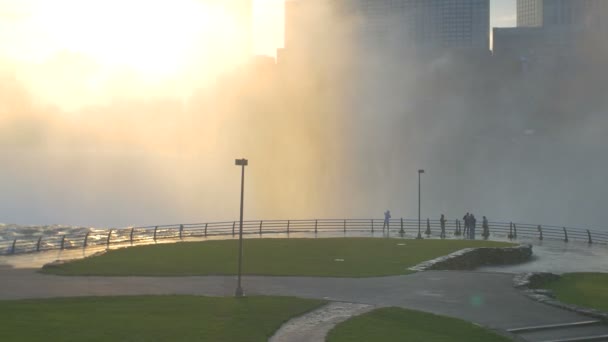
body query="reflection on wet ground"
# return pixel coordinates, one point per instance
(38, 259)
(549, 256)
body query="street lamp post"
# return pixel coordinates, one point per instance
(420, 172)
(242, 163)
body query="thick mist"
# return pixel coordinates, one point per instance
(336, 130)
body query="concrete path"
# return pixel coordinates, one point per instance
(488, 299)
(314, 326)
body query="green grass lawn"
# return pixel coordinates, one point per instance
(341, 257)
(395, 324)
(583, 289)
(149, 318)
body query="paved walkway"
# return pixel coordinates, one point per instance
(488, 299)
(314, 326)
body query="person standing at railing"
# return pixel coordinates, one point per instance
(387, 219)
(486, 228)
(472, 223)
(467, 223)
(442, 222)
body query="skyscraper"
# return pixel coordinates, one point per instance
(553, 32)
(425, 23)
(529, 13)
(405, 25)
(564, 14)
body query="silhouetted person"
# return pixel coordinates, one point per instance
(467, 223)
(486, 228)
(442, 222)
(472, 222)
(387, 219)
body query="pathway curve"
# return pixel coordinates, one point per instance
(488, 299)
(315, 325)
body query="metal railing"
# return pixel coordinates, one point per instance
(400, 227)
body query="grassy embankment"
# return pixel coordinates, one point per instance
(582, 289)
(394, 324)
(339, 257)
(150, 318)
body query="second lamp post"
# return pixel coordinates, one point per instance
(242, 163)
(420, 172)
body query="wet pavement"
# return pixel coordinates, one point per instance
(315, 325)
(488, 299)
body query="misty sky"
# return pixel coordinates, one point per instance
(268, 23)
(90, 46)
(127, 124)
(270, 17)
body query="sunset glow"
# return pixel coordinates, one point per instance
(156, 37)
(92, 49)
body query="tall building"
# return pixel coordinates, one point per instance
(529, 13)
(424, 23)
(565, 14)
(402, 25)
(553, 32)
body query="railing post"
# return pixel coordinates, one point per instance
(131, 235)
(401, 231)
(510, 230)
(155, 230)
(261, 222)
(540, 230)
(181, 231)
(86, 240)
(316, 223)
(288, 224)
(62, 242)
(233, 224)
(589, 235)
(428, 228)
(372, 226)
(514, 231)
(14, 245)
(206, 224)
(344, 227)
(565, 235)
(38, 244)
(110, 236)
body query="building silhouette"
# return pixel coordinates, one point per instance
(399, 26)
(562, 14)
(552, 33)
(428, 24)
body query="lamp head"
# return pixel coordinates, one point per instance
(241, 162)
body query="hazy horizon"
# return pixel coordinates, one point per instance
(124, 125)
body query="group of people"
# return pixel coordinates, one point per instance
(470, 224)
